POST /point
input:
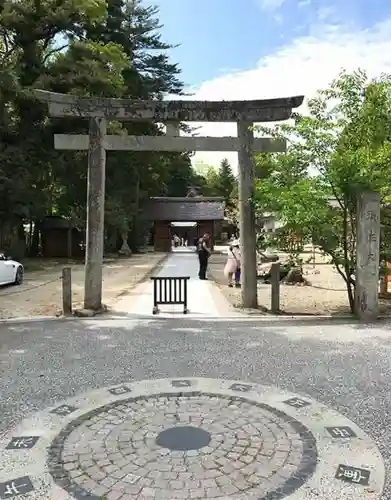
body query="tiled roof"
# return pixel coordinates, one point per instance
(184, 209)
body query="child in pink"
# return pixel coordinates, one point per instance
(232, 266)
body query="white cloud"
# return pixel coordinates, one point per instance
(325, 14)
(304, 3)
(278, 18)
(270, 5)
(301, 67)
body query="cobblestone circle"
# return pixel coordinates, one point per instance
(255, 450)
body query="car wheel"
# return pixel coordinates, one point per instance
(19, 276)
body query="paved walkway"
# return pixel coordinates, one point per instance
(204, 298)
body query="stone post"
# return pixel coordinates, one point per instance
(368, 250)
(67, 291)
(275, 287)
(246, 217)
(95, 214)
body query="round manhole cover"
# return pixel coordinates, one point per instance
(190, 438)
(203, 445)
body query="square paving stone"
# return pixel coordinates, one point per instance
(181, 383)
(64, 410)
(296, 402)
(117, 391)
(241, 387)
(353, 475)
(341, 432)
(22, 442)
(16, 487)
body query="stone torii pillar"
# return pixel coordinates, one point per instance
(96, 183)
(247, 217)
(99, 110)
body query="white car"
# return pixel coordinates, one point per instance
(11, 271)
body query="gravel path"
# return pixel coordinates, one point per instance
(346, 367)
(326, 295)
(40, 294)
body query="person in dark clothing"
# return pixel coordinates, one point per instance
(204, 252)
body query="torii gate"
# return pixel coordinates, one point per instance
(98, 110)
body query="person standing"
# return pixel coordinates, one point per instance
(232, 266)
(204, 252)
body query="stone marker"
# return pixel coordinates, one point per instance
(368, 250)
(67, 291)
(275, 287)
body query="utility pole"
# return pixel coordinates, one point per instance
(95, 214)
(246, 216)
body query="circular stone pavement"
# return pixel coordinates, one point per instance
(189, 439)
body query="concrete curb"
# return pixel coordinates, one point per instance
(36, 319)
(274, 320)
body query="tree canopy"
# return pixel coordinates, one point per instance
(220, 182)
(337, 150)
(87, 48)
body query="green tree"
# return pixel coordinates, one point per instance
(84, 47)
(135, 27)
(344, 139)
(30, 33)
(212, 181)
(226, 182)
(201, 168)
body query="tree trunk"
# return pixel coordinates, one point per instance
(2, 236)
(30, 236)
(351, 297)
(135, 234)
(35, 240)
(348, 271)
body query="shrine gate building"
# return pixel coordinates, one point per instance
(190, 217)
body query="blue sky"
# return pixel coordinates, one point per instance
(256, 49)
(218, 36)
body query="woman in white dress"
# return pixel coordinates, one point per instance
(232, 266)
